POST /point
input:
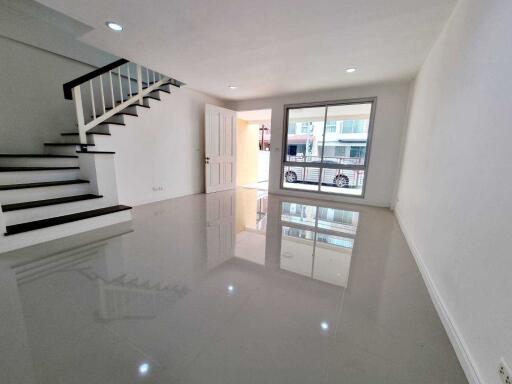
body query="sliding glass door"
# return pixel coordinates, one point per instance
(327, 146)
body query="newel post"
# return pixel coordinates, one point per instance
(77, 97)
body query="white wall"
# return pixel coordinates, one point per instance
(39, 52)
(163, 147)
(32, 104)
(455, 194)
(390, 116)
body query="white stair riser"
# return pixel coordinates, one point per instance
(43, 193)
(38, 162)
(74, 139)
(103, 143)
(62, 150)
(131, 109)
(100, 128)
(22, 177)
(51, 233)
(25, 215)
(116, 119)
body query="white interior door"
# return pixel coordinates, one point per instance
(220, 141)
(220, 227)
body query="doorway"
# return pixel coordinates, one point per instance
(253, 148)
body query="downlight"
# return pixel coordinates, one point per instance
(114, 26)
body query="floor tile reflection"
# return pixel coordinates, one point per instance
(234, 287)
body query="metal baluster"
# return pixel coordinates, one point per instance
(112, 89)
(129, 80)
(147, 75)
(92, 100)
(120, 83)
(102, 93)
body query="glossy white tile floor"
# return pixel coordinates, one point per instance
(225, 288)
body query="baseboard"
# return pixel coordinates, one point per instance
(456, 339)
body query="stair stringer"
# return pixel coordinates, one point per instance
(100, 170)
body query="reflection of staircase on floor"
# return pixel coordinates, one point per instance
(124, 298)
(41, 267)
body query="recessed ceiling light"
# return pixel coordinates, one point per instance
(350, 70)
(114, 26)
(232, 87)
(324, 325)
(143, 369)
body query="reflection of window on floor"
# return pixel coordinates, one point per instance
(317, 241)
(326, 147)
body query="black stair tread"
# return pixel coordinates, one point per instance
(45, 223)
(131, 105)
(23, 169)
(88, 133)
(101, 152)
(126, 113)
(154, 90)
(42, 155)
(140, 105)
(148, 96)
(47, 202)
(177, 84)
(106, 122)
(63, 144)
(42, 184)
(119, 113)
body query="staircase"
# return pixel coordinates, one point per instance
(70, 187)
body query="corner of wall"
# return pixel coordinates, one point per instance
(405, 130)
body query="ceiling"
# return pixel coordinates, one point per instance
(266, 47)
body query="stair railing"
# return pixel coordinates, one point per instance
(102, 93)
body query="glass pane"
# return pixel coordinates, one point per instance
(298, 213)
(303, 178)
(342, 181)
(338, 220)
(347, 145)
(305, 134)
(297, 250)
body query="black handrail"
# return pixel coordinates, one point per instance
(68, 95)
